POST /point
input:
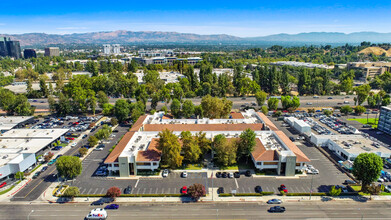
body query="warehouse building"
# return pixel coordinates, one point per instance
(9, 122)
(20, 147)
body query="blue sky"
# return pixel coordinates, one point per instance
(244, 18)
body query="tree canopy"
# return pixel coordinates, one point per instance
(69, 166)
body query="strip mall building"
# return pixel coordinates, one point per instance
(137, 150)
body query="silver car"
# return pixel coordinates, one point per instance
(274, 201)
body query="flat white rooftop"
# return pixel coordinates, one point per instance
(8, 122)
(18, 141)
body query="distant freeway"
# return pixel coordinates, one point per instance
(238, 102)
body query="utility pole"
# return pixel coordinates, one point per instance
(28, 217)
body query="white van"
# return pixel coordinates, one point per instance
(97, 213)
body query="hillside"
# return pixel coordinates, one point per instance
(376, 51)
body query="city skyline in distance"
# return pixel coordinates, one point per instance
(244, 19)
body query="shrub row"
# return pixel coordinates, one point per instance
(246, 194)
(133, 195)
(306, 194)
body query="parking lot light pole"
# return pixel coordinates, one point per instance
(28, 217)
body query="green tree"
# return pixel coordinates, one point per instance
(203, 142)
(362, 93)
(113, 121)
(19, 175)
(71, 192)
(264, 109)
(171, 149)
(102, 98)
(164, 109)
(334, 192)
(196, 191)
(69, 166)
(246, 144)
(327, 112)
(260, 97)
(366, 168)
(83, 151)
(214, 107)
(103, 133)
(121, 110)
(190, 147)
(225, 150)
(346, 110)
(359, 109)
(176, 108)
(187, 108)
(198, 111)
(92, 141)
(272, 103)
(108, 109)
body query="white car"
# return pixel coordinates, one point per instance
(165, 173)
(73, 144)
(184, 174)
(309, 103)
(230, 175)
(99, 148)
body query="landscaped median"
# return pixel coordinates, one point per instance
(132, 195)
(9, 189)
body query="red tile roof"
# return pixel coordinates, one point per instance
(113, 156)
(236, 115)
(151, 154)
(202, 127)
(300, 156)
(261, 154)
(267, 121)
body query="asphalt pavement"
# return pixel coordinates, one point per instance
(250, 210)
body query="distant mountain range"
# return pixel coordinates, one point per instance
(157, 37)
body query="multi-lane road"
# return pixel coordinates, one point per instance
(238, 102)
(252, 210)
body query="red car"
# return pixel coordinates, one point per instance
(3, 184)
(283, 188)
(70, 138)
(184, 190)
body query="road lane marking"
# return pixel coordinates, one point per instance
(135, 186)
(39, 183)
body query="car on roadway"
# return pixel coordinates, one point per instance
(349, 182)
(36, 175)
(346, 102)
(283, 188)
(44, 168)
(165, 173)
(184, 190)
(84, 136)
(220, 190)
(316, 97)
(73, 144)
(128, 190)
(218, 174)
(330, 97)
(274, 201)
(258, 189)
(98, 202)
(112, 206)
(309, 103)
(184, 174)
(52, 162)
(277, 209)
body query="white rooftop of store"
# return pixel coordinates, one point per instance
(8, 122)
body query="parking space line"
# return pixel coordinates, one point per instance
(96, 190)
(135, 186)
(101, 192)
(89, 191)
(162, 190)
(150, 190)
(156, 190)
(138, 189)
(298, 190)
(169, 190)
(144, 190)
(236, 182)
(249, 190)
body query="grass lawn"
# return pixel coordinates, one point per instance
(240, 166)
(371, 121)
(233, 167)
(356, 188)
(193, 167)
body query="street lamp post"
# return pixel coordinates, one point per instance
(28, 217)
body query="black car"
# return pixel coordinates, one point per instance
(218, 174)
(291, 138)
(84, 136)
(98, 202)
(128, 190)
(248, 173)
(237, 175)
(277, 209)
(220, 190)
(36, 175)
(349, 182)
(115, 131)
(224, 175)
(386, 166)
(44, 168)
(258, 189)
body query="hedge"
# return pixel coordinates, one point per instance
(132, 195)
(246, 194)
(306, 194)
